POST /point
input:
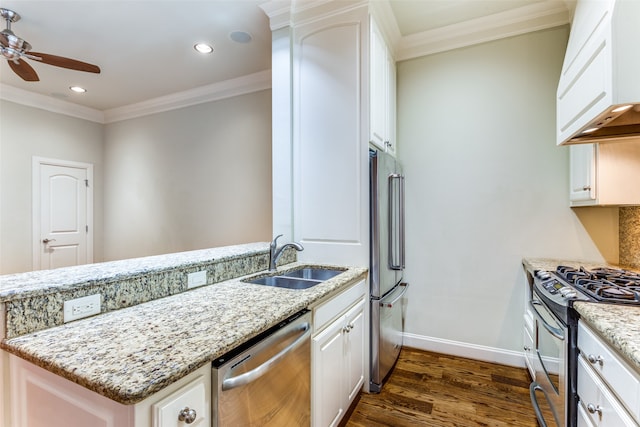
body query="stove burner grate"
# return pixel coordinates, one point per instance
(604, 284)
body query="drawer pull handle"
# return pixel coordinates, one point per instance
(595, 359)
(593, 409)
(187, 415)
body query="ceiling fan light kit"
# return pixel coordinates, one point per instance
(16, 50)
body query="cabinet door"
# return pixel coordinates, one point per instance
(391, 104)
(40, 398)
(354, 349)
(529, 353)
(327, 400)
(582, 160)
(378, 88)
(329, 146)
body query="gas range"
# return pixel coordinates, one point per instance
(556, 329)
(566, 285)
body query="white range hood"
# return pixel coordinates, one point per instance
(598, 96)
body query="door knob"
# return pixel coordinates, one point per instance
(45, 241)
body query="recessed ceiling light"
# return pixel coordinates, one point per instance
(240, 36)
(77, 89)
(203, 48)
(622, 108)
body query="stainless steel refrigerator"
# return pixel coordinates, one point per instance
(387, 260)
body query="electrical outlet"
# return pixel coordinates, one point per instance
(198, 278)
(81, 307)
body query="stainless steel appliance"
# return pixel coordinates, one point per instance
(266, 382)
(387, 261)
(552, 298)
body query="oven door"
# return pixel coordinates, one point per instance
(548, 391)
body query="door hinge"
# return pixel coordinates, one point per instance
(86, 182)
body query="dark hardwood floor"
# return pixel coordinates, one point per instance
(430, 389)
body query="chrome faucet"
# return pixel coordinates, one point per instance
(275, 253)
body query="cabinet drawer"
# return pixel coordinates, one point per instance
(193, 396)
(336, 306)
(622, 380)
(583, 417)
(595, 394)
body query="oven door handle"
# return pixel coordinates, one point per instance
(533, 387)
(555, 331)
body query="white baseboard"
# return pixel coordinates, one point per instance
(461, 349)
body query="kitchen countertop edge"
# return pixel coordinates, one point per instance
(129, 354)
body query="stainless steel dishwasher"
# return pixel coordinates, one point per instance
(266, 382)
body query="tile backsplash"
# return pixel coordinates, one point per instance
(629, 236)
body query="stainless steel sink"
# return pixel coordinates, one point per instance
(313, 273)
(285, 282)
(301, 278)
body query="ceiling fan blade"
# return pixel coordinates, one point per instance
(60, 61)
(24, 70)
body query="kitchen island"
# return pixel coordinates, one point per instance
(131, 353)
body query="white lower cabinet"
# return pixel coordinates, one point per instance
(337, 356)
(40, 398)
(608, 389)
(187, 405)
(529, 352)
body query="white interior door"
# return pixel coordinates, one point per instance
(63, 200)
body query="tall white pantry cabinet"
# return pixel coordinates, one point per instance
(333, 93)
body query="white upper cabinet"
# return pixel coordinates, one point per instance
(605, 174)
(333, 95)
(600, 73)
(329, 162)
(382, 92)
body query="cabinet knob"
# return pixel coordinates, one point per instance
(187, 415)
(586, 188)
(527, 348)
(594, 409)
(595, 359)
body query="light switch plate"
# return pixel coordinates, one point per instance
(198, 278)
(81, 307)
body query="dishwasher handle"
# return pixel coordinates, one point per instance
(252, 375)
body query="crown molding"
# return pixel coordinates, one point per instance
(535, 17)
(292, 13)
(213, 92)
(54, 105)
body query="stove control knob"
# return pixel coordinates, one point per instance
(544, 275)
(568, 293)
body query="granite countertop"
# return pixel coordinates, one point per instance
(618, 325)
(131, 353)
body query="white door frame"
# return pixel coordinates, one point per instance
(35, 220)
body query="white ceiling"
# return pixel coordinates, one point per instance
(145, 48)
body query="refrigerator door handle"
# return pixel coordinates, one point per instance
(396, 299)
(396, 222)
(402, 235)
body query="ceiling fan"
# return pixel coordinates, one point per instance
(16, 49)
